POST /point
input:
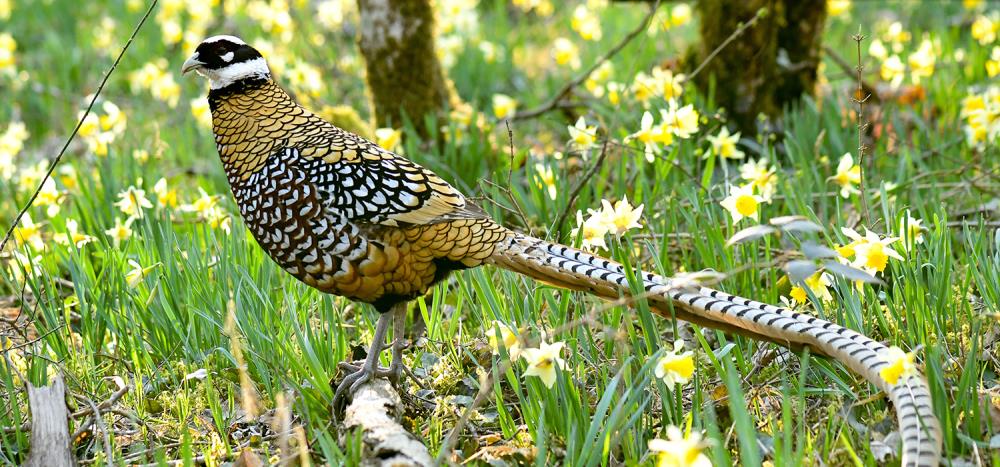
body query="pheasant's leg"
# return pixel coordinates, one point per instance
(398, 331)
(369, 368)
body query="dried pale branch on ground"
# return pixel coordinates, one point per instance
(375, 410)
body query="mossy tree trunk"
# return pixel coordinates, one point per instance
(772, 64)
(403, 72)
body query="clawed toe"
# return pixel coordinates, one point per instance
(368, 369)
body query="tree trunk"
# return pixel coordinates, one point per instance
(771, 65)
(404, 76)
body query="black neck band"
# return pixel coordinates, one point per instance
(236, 87)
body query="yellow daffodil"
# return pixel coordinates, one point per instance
(592, 231)
(331, 13)
(848, 174)
(679, 450)
(132, 201)
(201, 111)
(121, 232)
(582, 137)
(993, 63)
(50, 197)
(508, 340)
(504, 107)
(72, 236)
(818, 284)
(981, 113)
(490, 51)
(644, 87)
(29, 233)
(546, 179)
(675, 366)
(137, 273)
(922, 61)
(877, 49)
(586, 23)
(543, 361)
(847, 251)
(305, 79)
(389, 138)
(565, 53)
(985, 28)
(11, 143)
(742, 203)
(893, 71)
(837, 7)
(873, 254)
(650, 136)
(911, 231)
(762, 176)
(900, 365)
(897, 35)
(680, 15)
(155, 78)
(218, 218)
(8, 62)
(594, 82)
(668, 85)
(621, 217)
(23, 267)
(167, 197)
(613, 92)
(724, 144)
(141, 155)
(680, 121)
(202, 205)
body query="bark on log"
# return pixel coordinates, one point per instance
(374, 410)
(50, 444)
(403, 72)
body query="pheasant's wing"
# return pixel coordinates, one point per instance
(368, 184)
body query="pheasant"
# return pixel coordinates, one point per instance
(349, 218)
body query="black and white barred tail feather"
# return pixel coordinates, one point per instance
(574, 269)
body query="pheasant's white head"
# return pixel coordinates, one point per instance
(225, 60)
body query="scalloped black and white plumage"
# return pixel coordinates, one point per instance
(352, 219)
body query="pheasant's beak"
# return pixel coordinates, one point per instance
(191, 63)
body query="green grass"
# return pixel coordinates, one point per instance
(607, 404)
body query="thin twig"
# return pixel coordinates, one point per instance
(506, 190)
(850, 70)
(579, 187)
(862, 125)
(737, 33)
(564, 91)
(93, 100)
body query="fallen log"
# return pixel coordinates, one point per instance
(49, 426)
(375, 409)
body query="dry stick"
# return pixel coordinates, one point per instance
(86, 411)
(862, 125)
(579, 187)
(850, 70)
(55, 162)
(736, 33)
(568, 87)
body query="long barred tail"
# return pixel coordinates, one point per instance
(570, 268)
